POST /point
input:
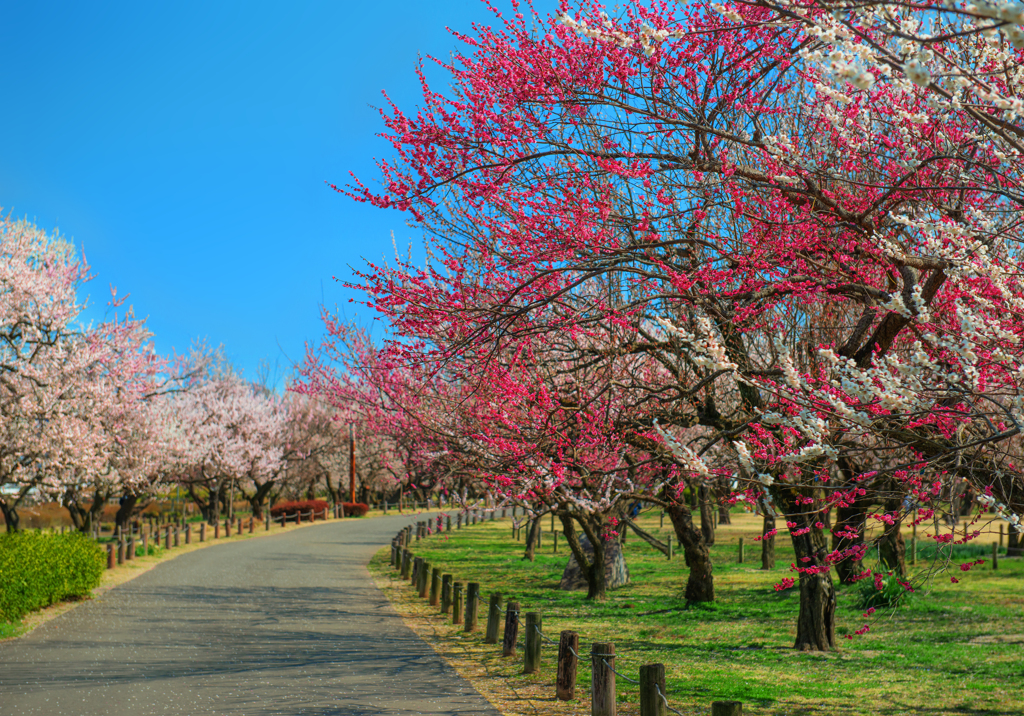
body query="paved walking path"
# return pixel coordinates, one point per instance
(289, 624)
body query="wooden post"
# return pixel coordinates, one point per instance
(1000, 536)
(176, 543)
(298, 519)
(531, 653)
(131, 548)
(662, 519)
(425, 580)
(120, 550)
(913, 550)
(652, 686)
(458, 521)
(406, 559)
(145, 542)
(568, 647)
(416, 568)
(188, 533)
(435, 586)
(167, 537)
(472, 605)
(554, 543)
(995, 555)
(668, 541)
(457, 605)
(446, 593)
(202, 531)
(110, 555)
(726, 708)
(449, 524)
(267, 519)
(493, 617)
(508, 644)
(740, 560)
(252, 521)
(602, 679)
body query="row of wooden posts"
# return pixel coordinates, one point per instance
(464, 603)
(123, 547)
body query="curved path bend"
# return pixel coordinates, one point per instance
(285, 624)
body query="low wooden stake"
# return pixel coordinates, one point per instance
(446, 593)
(652, 686)
(531, 652)
(568, 647)
(493, 619)
(472, 603)
(508, 644)
(457, 605)
(602, 679)
(726, 708)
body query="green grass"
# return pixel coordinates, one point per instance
(954, 649)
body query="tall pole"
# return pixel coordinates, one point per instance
(352, 460)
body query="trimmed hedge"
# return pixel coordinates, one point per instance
(303, 506)
(40, 569)
(355, 509)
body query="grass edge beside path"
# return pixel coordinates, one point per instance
(124, 573)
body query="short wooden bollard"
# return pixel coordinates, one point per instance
(602, 679)
(458, 521)
(188, 533)
(120, 551)
(435, 586)
(740, 555)
(472, 605)
(492, 515)
(227, 528)
(202, 531)
(406, 566)
(417, 563)
(1000, 536)
(252, 524)
(176, 544)
(502, 513)
(508, 644)
(216, 530)
(424, 581)
(493, 618)
(145, 543)
(668, 541)
(531, 652)
(995, 555)
(267, 519)
(652, 686)
(167, 537)
(110, 555)
(448, 522)
(568, 647)
(446, 593)
(457, 605)
(726, 708)
(913, 550)
(131, 548)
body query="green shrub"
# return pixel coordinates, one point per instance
(39, 569)
(891, 594)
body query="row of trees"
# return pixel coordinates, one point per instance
(91, 413)
(767, 250)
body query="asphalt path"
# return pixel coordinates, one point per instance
(284, 624)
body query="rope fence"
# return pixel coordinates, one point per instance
(465, 602)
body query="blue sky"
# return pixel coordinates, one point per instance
(186, 145)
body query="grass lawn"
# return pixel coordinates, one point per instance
(954, 649)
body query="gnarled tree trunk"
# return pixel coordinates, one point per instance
(816, 622)
(700, 585)
(592, 570)
(767, 543)
(707, 516)
(891, 547)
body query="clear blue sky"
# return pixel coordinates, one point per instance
(185, 145)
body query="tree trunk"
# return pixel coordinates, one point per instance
(593, 571)
(723, 515)
(767, 543)
(531, 538)
(10, 513)
(891, 548)
(1014, 544)
(125, 510)
(849, 519)
(700, 585)
(707, 516)
(816, 623)
(257, 500)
